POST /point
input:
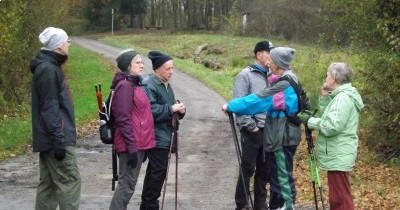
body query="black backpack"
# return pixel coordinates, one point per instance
(303, 100)
(106, 120)
(106, 128)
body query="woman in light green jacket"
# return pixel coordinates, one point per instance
(337, 142)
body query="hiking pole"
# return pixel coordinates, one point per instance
(175, 126)
(314, 172)
(311, 164)
(174, 140)
(238, 154)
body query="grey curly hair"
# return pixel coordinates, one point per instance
(342, 72)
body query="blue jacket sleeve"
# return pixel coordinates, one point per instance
(251, 104)
(281, 96)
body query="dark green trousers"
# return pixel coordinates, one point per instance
(59, 183)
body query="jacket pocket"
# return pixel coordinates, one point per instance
(275, 133)
(293, 135)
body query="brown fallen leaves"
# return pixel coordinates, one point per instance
(375, 185)
(88, 129)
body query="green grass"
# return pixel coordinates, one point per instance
(310, 62)
(84, 69)
(219, 81)
(15, 132)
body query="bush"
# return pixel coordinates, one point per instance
(20, 23)
(238, 62)
(381, 96)
(379, 33)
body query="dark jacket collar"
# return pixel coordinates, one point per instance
(48, 56)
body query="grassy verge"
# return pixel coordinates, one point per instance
(310, 62)
(84, 69)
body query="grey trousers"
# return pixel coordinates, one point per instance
(60, 182)
(127, 179)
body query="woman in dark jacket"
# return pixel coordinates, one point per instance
(133, 125)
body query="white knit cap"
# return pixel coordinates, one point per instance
(53, 38)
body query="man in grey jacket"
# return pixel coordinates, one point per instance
(252, 79)
(53, 125)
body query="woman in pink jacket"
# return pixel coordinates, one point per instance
(133, 125)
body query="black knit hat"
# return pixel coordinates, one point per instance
(263, 45)
(125, 58)
(158, 58)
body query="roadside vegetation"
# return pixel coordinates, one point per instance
(231, 54)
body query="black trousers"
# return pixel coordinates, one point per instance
(154, 179)
(253, 160)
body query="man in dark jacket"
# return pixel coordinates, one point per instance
(163, 106)
(53, 125)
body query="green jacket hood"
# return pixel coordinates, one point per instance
(351, 91)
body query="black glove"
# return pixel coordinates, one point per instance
(132, 159)
(59, 151)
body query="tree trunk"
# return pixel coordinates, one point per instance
(152, 13)
(174, 4)
(131, 18)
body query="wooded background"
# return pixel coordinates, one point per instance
(367, 27)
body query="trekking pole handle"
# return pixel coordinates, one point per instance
(308, 132)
